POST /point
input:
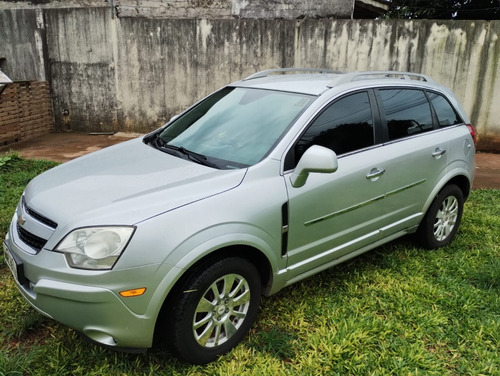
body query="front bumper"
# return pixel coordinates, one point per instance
(87, 301)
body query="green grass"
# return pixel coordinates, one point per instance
(397, 310)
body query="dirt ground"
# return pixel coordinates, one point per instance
(62, 147)
(488, 171)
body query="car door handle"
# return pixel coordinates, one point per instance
(438, 152)
(375, 173)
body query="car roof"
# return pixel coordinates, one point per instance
(313, 84)
(317, 81)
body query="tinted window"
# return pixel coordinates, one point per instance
(444, 111)
(345, 126)
(407, 112)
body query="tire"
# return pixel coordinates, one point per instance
(214, 310)
(441, 222)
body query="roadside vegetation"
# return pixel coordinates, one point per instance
(397, 310)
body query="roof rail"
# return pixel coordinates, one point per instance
(268, 72)
(367, 75)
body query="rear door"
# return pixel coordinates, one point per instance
(417, 154)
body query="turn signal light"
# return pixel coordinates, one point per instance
(133, 292)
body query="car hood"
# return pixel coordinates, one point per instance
(124, 184)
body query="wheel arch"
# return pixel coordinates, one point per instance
(460, 180)
(252, 254)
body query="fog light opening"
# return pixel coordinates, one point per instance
(100, 337)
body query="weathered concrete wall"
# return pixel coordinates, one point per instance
(463, 55)
(84, 70)
(22, 44)
(217, 9)
(133, 74)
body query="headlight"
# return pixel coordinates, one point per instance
(95, 248)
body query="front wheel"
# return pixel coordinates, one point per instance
(214, 310)
(441, 222)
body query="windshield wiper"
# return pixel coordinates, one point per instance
(193, 156)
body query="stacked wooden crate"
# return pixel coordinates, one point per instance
(10, 130)
(25, 111)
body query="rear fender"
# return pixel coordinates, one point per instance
(457, 171)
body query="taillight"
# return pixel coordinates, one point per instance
(472, 131)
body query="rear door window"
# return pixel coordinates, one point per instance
(407, 112)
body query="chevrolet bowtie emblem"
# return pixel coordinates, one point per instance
(20, 220)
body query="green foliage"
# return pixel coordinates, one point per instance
(444, 9)
(4, 159)
(15, 174)
(397, 310)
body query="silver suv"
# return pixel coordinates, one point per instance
(261, 184)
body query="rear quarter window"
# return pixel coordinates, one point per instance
(445, 112)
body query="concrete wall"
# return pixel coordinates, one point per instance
(132, 74)
(463, 55)
(218, 9)
(22, 44)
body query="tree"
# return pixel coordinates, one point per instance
(444, 9)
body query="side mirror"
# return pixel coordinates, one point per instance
(315, 159)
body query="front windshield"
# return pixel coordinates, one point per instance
(236, 127)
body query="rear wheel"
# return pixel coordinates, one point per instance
(442, 220)
(214, 310)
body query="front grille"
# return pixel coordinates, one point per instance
(32, 240)
(38, 216)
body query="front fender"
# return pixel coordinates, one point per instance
(205, 243)
(223, 236)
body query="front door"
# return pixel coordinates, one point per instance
(337, 213)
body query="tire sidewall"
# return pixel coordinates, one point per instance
(426, 228)
(181, 322)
